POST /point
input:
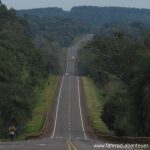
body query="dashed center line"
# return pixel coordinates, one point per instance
(69, 109)
(42, 144)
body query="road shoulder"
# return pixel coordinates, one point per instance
(49, 111)
(92, 106)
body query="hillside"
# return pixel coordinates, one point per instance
(22, 68)
(119, 64)
(63, 26)
(57, 29)
(54, 24)
(44, 12)
(97, 16)
(93, 16)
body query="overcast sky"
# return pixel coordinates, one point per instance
(67, 4)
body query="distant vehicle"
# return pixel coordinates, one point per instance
(72, 58)
(66, 74)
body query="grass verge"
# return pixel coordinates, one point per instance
(42, 105)
(95, 102)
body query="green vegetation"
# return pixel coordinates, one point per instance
(98, 16)
(117, 60)
(95, 102)
(42, 106)
(24, 64)
(54, 56)
(124, 61)
(60, 30)
(79, 18)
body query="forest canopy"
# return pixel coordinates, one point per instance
(119, 53)
(118, 59)
(22, 67)
(63, 26)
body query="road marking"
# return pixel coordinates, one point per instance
(70, 145)
(73, 146)
(42, 144)
(69, 109)
(57, 108)
(80, 110)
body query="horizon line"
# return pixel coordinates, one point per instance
(78, 6)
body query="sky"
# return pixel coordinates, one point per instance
(68, 4)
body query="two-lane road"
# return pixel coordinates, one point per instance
(69, 122)
(68, 130)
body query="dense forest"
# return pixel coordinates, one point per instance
(22, 67)
(119, 63)
(58, 29)
(97, 16)
(54, 25)
(117, 59)
(82, 19)
(63, 26)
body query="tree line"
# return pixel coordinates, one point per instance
(91, 16)
(120, 57)
(60, 29)
(22, 67)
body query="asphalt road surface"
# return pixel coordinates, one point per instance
(68, 131)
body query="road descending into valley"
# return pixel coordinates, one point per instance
(68, 131)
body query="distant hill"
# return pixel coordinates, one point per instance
(44, 12)
(54, 24)
(94, 16)
(63, 26)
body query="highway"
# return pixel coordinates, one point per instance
(68, 132)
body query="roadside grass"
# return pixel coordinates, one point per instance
(95, 102)
(42, 105)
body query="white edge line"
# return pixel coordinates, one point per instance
(57, 109)
(56, 116)
(69, 108)
(80, 110)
